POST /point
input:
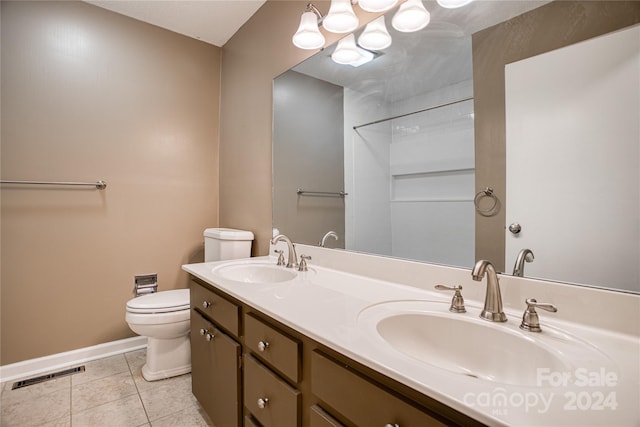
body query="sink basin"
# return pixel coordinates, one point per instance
(468, 348)
(464, 344)
(255, 273)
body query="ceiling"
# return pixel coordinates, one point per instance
(212, 21)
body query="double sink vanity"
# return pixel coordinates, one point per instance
(363, 340)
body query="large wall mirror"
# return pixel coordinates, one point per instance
(384, 154)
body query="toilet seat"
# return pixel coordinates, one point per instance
(160, 302)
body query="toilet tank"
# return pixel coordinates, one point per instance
(226, 243)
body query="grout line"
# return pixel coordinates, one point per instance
(135, 384)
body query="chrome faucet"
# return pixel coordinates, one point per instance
(326, 236)
(493, 300)
(523, 255)
(292, 260)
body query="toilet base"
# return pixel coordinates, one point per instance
(167, 358)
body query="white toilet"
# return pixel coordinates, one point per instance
(163, 317)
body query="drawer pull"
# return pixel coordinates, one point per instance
(262, 402)
(263, 345)
(391, 425)
(206, 304)
(208, 335)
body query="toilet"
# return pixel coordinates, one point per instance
(163, 317)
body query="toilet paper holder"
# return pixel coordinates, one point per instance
(145, 284)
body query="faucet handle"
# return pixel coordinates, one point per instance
(457, 302)
(530, 319)
(303, 263)
(280, 253)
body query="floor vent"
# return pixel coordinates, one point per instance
(47, 377)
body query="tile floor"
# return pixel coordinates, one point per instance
(110, 393)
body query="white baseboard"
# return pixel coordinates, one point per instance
(32, 367)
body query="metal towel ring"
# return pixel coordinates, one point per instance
(487, 192)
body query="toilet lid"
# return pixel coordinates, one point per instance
(160, 302)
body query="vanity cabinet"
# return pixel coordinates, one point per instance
(215, 361)
(258, 372)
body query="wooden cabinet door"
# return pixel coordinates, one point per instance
(215, 365)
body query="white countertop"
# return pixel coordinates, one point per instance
(334, 308)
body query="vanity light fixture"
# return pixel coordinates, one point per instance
(376, 5)
(308, 35)
(347, 53)
(411, 16)
(341, 18)
(375, 36)
(452, 4)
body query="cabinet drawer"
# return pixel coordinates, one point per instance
(319, 418)
(217, 308)
(361, 401)
(271, 401)
(274, 347)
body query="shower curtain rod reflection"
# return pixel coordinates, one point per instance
(100, 185)
(413, 112)
(302, 192)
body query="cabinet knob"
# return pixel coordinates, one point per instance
(203, 331)
(262, 402)
(206, 304)
(263, 345)
(391, 425)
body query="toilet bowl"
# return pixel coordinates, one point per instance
(163, 317)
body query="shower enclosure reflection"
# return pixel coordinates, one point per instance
(413, 179)
(407, 170)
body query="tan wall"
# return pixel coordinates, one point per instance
(88, 94)
(254, 56)
(555, 25)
